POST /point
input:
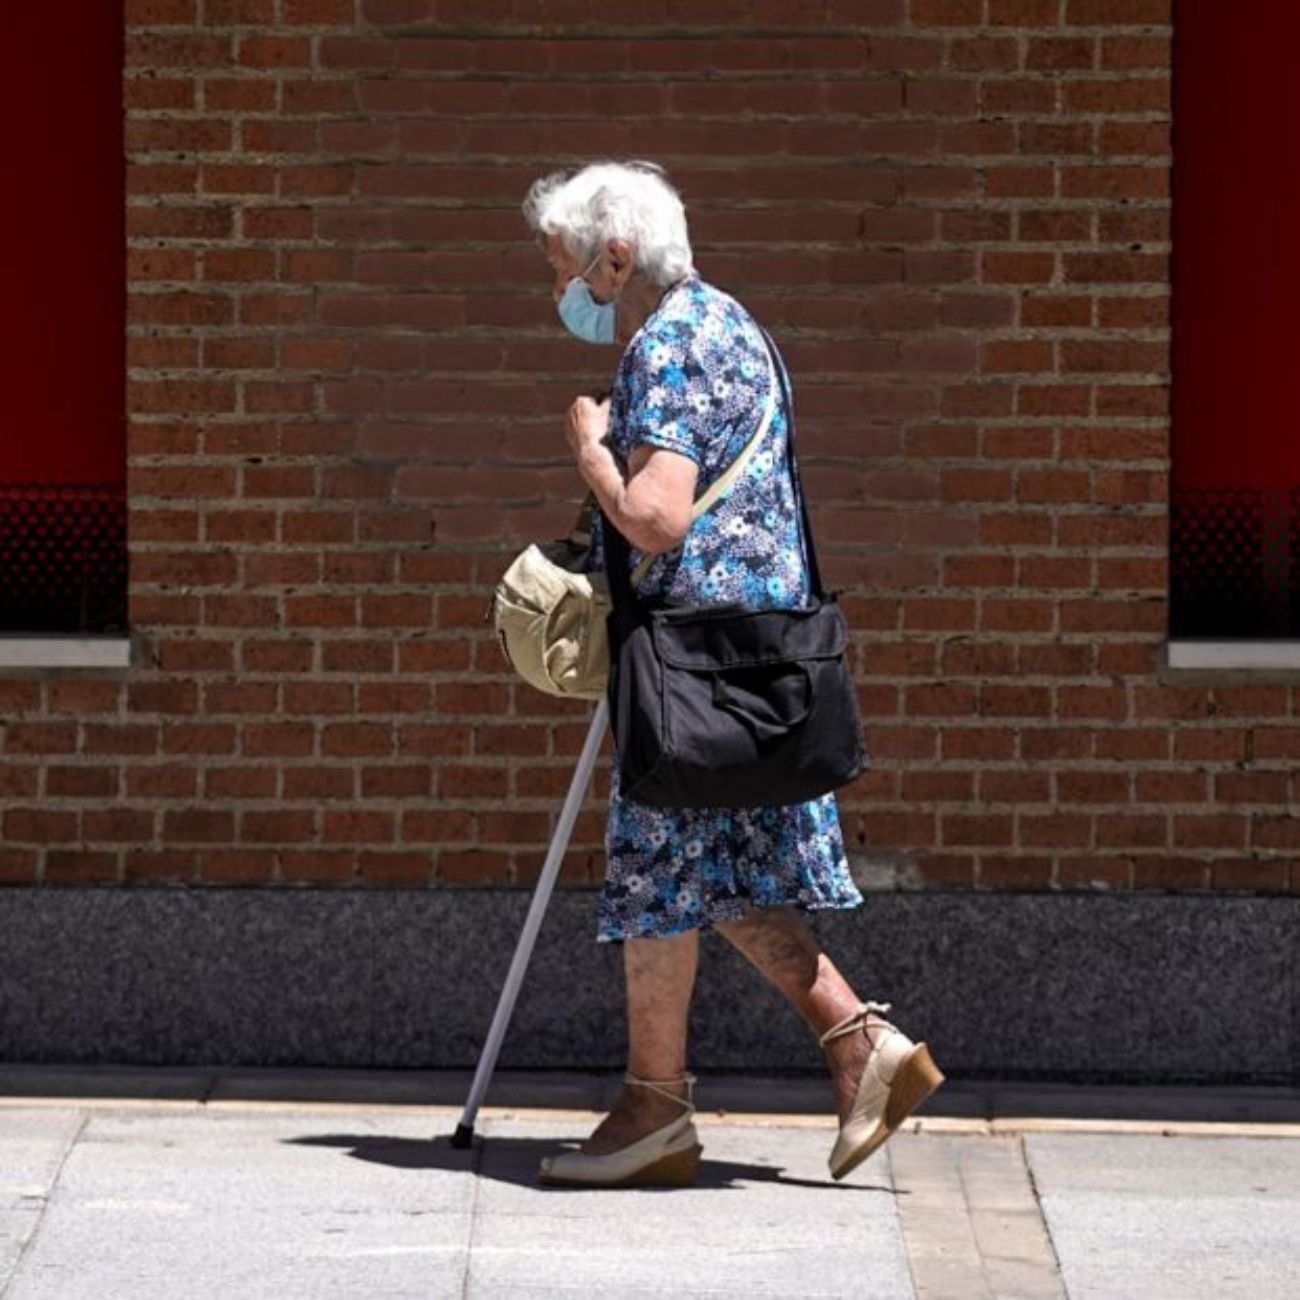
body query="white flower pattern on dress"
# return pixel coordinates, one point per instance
(695, 380)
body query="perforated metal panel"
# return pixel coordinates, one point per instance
(63, 558)
(1293, 540)
(1235, 562)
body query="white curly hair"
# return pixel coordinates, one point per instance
(612, 200)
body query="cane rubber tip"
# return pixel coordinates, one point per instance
(463, 1137)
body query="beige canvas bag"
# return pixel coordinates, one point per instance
(550, 616)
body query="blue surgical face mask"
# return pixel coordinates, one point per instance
(583, 316)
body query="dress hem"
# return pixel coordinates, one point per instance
(733, 912)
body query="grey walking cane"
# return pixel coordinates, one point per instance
(464, 1134)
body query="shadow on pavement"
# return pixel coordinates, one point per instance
(515, 1160)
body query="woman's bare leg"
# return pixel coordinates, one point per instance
(660, 977)
(776, 939)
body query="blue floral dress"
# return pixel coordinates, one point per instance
(695, 380)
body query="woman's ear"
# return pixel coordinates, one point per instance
(621, 261)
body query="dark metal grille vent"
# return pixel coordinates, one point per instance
(63, 558)
(1235, 562)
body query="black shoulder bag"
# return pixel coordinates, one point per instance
(729, 706)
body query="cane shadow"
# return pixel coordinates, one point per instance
(515, 1160)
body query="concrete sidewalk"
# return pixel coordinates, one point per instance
(195, 1184)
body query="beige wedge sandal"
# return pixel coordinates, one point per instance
(668, 1157)
(898, 1077)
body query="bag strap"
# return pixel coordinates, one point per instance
(616, 546)
(734, 470)
(580, 533)
(810, 546)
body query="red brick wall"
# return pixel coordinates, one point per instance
(346, 390)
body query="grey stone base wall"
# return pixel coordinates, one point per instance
(1069, 987)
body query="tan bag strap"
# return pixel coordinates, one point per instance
(728, 476)
(580, 533)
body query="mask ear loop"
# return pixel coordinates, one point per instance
(583, 278)
(583, 274)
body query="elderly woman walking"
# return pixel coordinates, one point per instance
(688, 392)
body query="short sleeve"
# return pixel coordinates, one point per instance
(668, 398)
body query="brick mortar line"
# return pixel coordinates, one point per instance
(146, 288)
(906, 291)
(397, 203)
(955, 118)
(180, 157)
(485, 378)
(903, 72)
(952, 121)
(903, 76)
(289, 423)
(516, 30)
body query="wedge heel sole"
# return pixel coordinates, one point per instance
(916, 1078)
(676, 1169)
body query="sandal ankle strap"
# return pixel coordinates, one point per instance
(850, 1023)
(685, 1077)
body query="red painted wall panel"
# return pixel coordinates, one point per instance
(63, 557)
(62, 329)
(1235, 528)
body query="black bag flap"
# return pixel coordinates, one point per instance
(706, 639)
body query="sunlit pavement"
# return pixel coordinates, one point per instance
(192, 1184)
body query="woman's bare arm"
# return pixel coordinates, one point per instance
(652, 506)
